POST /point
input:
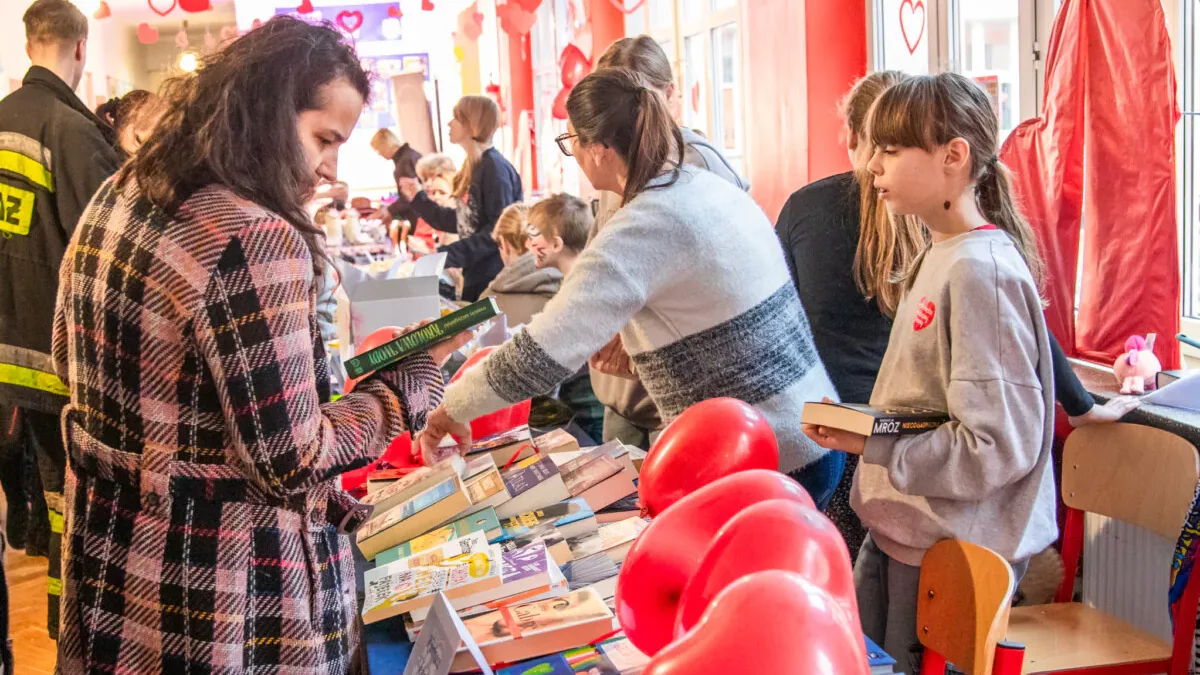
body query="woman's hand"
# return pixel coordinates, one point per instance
(835, 439)
(409, 187)
(438, 426)
(612, 359)
(1114, 410)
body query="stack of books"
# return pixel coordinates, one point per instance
(523, 537)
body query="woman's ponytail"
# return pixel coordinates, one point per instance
(656, 142)
(615, 108)
(994, 191)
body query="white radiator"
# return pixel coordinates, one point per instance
(1126, 573)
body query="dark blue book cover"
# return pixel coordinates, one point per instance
(520, 480)
(877, 659)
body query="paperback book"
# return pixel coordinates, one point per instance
(484, 521)
(867, 421)
(436, 506)
(422, 338)
(457, 569)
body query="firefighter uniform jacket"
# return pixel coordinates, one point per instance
(54, 154)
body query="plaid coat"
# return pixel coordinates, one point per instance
(205, 532)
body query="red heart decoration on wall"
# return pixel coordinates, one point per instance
(620, 4)
(529, 5)
(911, 16)
(925, 312)
(514, 20)
(161, 12)
(103, 11)
(194, 6)
(147, 34)
(395, 12)
(427, 5)
(306, 7)
(559, 108)
(350, 21)
(573, 65)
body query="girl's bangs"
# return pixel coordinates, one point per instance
(903, 116)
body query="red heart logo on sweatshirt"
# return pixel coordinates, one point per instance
(925, 311)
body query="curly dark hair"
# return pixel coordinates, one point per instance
(233, 122)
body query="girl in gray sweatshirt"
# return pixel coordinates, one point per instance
(969, 338)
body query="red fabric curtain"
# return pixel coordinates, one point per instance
(1110, 88)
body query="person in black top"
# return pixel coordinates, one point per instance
(387, 145)
(484, 187)
(845, 263)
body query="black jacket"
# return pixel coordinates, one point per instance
(405, 159)
(54, 154)
(494, 185)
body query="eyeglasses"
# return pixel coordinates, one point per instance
(564, 144)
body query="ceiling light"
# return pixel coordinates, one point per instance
(188, 62)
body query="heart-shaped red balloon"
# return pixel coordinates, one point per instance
(768, 622)
(194, 6)
(160, 7)
(147, 34)
(514, 20)
(394, 12)
(666, 555)
(529, 5)
(778, 534)
(708, 441)
(427, 5)
(573, 65)
(306, 7)
(350, 21)
(103, 11)
(559, 108)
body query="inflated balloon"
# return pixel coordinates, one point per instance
(794, 625)
(377, 338)
(774, 535)
(708, 441)
(559, 108)
(573, 66)
(666, 555)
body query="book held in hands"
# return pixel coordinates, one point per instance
(867, 421)
(422, 338)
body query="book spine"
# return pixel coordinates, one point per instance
(421, 338)
(906, 425)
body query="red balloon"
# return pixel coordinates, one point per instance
(559, 109)
(709, 441)
(377, 338)
(195, 5)
(573, 65)
(773, 535)
(663, 559)
(794, 626)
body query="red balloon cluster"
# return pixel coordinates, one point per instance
(736, 548)
(573, 66)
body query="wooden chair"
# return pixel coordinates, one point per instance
(962, 607)
(1139, 475)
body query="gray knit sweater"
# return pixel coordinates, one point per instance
(705, 309)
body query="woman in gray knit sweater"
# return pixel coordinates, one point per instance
(702, 314)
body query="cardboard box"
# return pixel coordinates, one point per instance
(405, 294)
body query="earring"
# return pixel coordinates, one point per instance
(946, 205)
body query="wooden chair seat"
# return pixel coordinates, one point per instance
(1070, 635)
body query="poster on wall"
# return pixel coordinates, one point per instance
(905, 36)
(377, 37)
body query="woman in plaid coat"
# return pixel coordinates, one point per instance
(205, 529)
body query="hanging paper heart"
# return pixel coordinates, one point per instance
(470, 24)
(257, 23)
(573, 65)
(427, 5)
(620, 4)
(229, 32)
(158, 5)
(514, 20)
(194, 6)
(559, 108)
(912, 28)
(102, 11)
(181, 39)
(529, 5)
(350, 21)
(147, 34)
(394, 12)
(306, 7)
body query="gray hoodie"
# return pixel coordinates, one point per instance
(522, 290)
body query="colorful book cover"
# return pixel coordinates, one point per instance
(524, 562)
(522, 480)
(583, 572)
(555, 664)
(391, 585)
(546, 533)
(409, 508)
(589, 661)
(612, 449)
(474, 542)
(601, 468)
(536, 617)
(564, 512)
(516, 435)
(484, 521)
(607, 537)
(485, 486)
(623, 655)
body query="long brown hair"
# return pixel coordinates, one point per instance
(643, 55)
(614, 107)
(233, 123)
(932, 110)
(481, 116)
(887, 244)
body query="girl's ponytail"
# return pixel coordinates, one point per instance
(994, 191)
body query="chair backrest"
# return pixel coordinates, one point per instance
(1136, 474)
(963, 602)
(361, 204)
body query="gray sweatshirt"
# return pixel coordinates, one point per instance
(969, 338)
(522, 290)
(703, 315)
